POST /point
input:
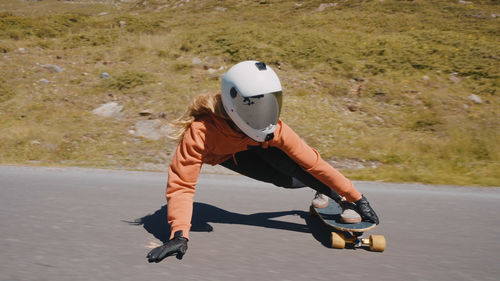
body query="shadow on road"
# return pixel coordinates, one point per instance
(203, 214)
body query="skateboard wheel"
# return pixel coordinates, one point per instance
(338, 241)
(377, 243)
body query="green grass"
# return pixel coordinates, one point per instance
(384, 81)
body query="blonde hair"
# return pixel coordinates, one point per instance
(202, 104)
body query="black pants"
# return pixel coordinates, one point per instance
(272, 165)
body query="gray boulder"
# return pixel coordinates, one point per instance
(324, 6)
(475, 99)
(110, 109)
(151, 129)
(52, 68)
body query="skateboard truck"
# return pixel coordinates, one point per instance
(376, 243)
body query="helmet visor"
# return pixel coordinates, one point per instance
(260, 111)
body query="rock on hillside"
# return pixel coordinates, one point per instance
(110, 109)
(150, 129)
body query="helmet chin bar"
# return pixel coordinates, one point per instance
(269, 137)
(260, 136)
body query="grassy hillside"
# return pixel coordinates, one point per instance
(406, 89)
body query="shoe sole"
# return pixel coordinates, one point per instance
(350, 220)
(320, 206)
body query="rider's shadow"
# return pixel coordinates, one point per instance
(203, 214)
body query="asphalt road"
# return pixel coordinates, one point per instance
(83, 224)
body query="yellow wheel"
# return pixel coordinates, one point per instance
(338, 240)
(377, 243)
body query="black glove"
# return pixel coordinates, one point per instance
(176, 246)
(365, 210)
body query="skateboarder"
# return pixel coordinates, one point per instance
(240, 129)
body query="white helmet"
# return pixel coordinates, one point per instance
(251, 95)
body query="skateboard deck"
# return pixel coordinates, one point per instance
(352, 232)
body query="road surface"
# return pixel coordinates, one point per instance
(86, 224)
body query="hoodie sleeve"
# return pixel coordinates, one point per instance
(182, 178)
(310, 160)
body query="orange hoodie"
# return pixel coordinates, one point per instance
(211, 140)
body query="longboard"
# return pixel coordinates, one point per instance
(330, 215)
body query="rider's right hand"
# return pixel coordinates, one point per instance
(365, 210)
